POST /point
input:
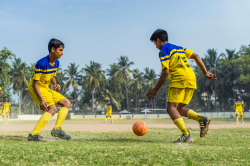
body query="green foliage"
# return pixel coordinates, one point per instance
(5, 55)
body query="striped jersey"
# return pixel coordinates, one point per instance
(239, 104)
(109, 107)
(174, 58)
(44, 72)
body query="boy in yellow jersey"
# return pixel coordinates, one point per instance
(46, 98)
(109, 112)
(182, 83)
(239, 104)
(6, 110)
(0, 90)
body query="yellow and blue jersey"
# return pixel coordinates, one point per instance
(6, 106)
(174, 58)
(239, 105)
(44, 72)
(0, 88)
(109, 107)
(1, 108)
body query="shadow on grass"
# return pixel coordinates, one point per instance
(13, 137)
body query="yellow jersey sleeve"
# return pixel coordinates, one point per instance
(188, 52)
(165, 60)
(38, 72)
(0, 88)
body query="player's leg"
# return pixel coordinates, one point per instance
(175, 96)
(3, 118)
(111, 119)
(62, 114)
(7, 117)
(45, 118)
(106, 118)
(241, 117)
(237, 120)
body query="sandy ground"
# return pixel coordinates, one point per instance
(106, 127)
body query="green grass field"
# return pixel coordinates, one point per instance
(219, 147)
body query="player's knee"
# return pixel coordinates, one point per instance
(52, 110)
(67, 103)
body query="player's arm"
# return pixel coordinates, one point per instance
(0, 90)
(243, 107)
(56, 86)
(43, 104)
(162, 79)
(202, 66)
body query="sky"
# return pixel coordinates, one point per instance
(103, 30)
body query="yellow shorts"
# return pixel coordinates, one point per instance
(50, 96)
(109, 113)
(239, 112)
(180, 95)
(6, 113)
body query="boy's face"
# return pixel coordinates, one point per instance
(158, 44)
(107, 102)
(6, 99)
(238, 97)
(57, 53)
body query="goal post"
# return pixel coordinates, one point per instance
(150, 110)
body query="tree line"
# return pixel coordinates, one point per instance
(90, 87)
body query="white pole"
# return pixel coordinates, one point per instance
(145, 114)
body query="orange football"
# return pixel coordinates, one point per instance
(140, 128)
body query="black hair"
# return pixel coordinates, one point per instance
(55, 43)
(6, 97)
(161, 34)
(238, 95)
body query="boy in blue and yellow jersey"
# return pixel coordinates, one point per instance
(46, 98)
(109, 112)
(6, 110)
(182, 83)
(0, 90)
(239, 104)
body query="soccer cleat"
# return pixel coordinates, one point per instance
(184, 139)
(35, 137)
(204, 123)
(60, 133)
(242, 122)
(237, 123)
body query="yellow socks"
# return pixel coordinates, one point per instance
(63, 112)
(3, 119)
(106, 119)
(241, 118)
(193, 115)
(179, 122)
(237, 119)
(111, 119)
(45, 118)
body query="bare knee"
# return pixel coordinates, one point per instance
(66, 103)
(52, 109)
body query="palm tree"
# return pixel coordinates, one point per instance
(123, 73)
(73, 78)
(92, 78)
(212, 60)
(150, 78)
(19, 75)
(137, 85)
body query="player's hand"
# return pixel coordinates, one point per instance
(0, 92)
(210, 76)
(43, 105)
(151, 94)
(57, 87)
